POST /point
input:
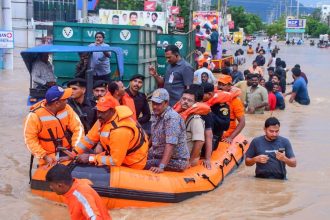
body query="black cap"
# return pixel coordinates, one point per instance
(271, 68)
(100, 83)
(208, 87)
(77, 82)
(137, 76)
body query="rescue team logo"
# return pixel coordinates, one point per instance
(125, 35)
(224, 111)
(179, 44)
(67, 32)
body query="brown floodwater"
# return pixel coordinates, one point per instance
(305, 195)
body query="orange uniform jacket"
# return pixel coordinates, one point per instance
(84, 203)
(124, 142)
(40, 121)
(236, 110)
(128, 101)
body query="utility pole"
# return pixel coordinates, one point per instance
(8, 26)
(84, 10)
(280, 8)
(297, 9)
(291, 8)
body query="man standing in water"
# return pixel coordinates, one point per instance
(270, 152)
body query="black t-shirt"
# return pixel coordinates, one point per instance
(208, 121)
(221, 118)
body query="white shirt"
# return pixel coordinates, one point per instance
(198, 75)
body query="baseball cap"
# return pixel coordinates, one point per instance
(225, 79)
(160, 95)
(55, 93)
(137, 76)
(77, 82)
(106, 102)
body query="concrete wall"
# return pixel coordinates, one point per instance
(22, 11)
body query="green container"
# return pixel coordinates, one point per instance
(185, 42)
(138, 43)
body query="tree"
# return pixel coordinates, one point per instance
(277, 27)
(250, 22)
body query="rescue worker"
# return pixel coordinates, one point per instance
(237, 118)
(82, 200)
(192, 111)
(127, 145)
(80, 104)
(117, 90)
(100, 89)
(220, 110)
(52, 123)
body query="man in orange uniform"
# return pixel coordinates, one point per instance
(83, 202)
(117, 90)
(52, 123)
(236, 109)
(123, 140)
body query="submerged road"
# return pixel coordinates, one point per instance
(305, 195)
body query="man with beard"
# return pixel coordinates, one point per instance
(127, 145)
(80, 104)
(271, 152)
(139, 99)
(100, 89)
(257, 96)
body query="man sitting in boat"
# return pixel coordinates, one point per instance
(117, 90)
(192, 112)
(100, 89)
(169, 149)
(52, 123)
(220, 110)
(127, 145)
(237, 118)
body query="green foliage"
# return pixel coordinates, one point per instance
(277, 27)
(316, 14)
(315, 27)
(250, 22)
(185, 12)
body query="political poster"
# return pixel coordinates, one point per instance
(141, 18)
(206, 19)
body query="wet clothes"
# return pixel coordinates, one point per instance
(273, 168)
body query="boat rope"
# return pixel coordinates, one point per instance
(208, 179)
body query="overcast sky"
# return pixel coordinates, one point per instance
(314, 2)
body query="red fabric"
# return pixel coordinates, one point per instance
(198, 41)
(271, 101)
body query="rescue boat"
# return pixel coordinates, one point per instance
(122, 187)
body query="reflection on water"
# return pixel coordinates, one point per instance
(305, 195)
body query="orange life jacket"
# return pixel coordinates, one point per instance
(44, 131)
(136, 151)
(196, 109)
(219, 97)
(250, 51)
(128, 101)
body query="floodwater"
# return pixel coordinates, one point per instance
(305, 195)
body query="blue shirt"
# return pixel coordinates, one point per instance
(168, 128)
(274, 168)
(280, 103)
(300, 88)
(100, 63)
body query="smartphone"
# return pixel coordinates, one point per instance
(281, 149)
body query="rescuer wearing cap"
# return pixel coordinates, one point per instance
(52, 123)
(237, 117)
(127, 145)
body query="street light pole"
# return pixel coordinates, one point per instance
(297, 9)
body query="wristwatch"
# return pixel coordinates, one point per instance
(91, 158)
(161, 166)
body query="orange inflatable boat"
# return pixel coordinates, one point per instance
(125, 187)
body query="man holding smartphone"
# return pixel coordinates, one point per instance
(271, 152)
